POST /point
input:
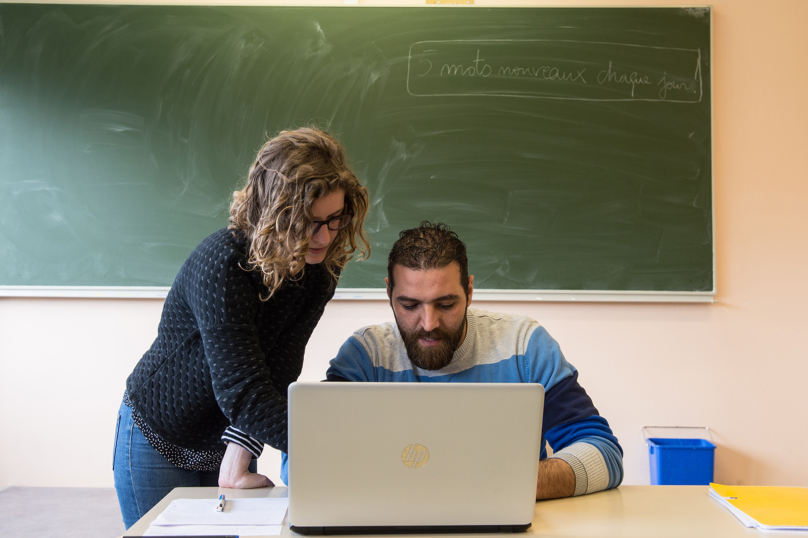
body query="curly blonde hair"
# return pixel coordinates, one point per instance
(273, 210)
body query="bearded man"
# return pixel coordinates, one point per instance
(438, 338)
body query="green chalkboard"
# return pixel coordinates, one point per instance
(569, 147)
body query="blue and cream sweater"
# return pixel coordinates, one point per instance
(500, 348)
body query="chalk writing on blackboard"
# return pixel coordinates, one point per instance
(555, 69)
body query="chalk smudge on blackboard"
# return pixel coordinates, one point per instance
(26, 186)
(106, 129)
(399, 159)
(696, 12)
(318, 44)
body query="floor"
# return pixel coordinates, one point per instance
(59, 513)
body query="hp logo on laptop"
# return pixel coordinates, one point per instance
(414, 456)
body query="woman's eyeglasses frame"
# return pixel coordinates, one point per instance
(334, 223)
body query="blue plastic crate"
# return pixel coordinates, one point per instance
(681, 462)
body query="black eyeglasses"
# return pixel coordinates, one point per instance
(334, 223)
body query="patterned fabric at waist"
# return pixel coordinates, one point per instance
(184, 458)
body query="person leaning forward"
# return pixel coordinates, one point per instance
(211, 391)
(438, 338)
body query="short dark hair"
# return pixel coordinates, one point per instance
(430, 246)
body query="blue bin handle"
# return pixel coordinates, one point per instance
(710, 433)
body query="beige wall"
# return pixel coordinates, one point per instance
(739, 366)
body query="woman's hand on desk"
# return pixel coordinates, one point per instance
(235, 473)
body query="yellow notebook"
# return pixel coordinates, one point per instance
(769, 506)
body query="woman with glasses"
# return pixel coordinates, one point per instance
(211, 392)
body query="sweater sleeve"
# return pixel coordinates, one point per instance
(234, 435)
(592, 450)
(571, 423)
(352, 363)
(242, 383)
(242, 377)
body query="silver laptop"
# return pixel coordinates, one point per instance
(413, 457)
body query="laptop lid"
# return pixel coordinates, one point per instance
(413, 457)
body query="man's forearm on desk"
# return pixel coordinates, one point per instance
(556, 479)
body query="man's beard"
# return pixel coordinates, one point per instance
(432, 357)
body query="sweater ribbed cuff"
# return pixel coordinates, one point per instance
(591, 473)
(233, 435)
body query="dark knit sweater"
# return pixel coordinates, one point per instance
(223, 357)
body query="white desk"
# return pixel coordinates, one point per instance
(626, 512)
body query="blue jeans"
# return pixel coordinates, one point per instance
(142, 476)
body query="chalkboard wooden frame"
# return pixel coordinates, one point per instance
(704, 294)
(369, 294)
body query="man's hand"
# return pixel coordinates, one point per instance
(556, 479)
(235, 473)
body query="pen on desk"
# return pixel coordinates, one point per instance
(220, 504)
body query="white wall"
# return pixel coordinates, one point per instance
(738, 366)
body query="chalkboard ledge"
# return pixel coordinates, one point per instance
(88, 292)
(378, 294)
(561, 296)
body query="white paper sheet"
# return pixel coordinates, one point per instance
(269, 511)
(206, 530)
